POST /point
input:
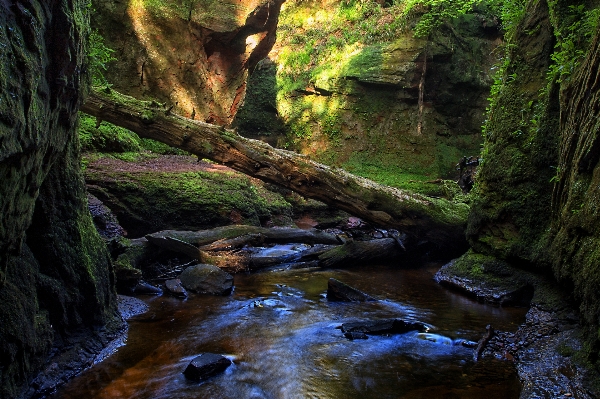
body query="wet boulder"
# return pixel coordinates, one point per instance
(338, 291)
(207, 279)
(380, 327)
(355, 335)
(205, 366)
(173, 287)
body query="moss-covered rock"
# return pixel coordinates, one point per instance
(146, 200)
(536, 194)
(514, 184)
(57, 302)
(495, 281)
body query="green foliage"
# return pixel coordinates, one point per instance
(574, 27)
(438, 12)
(99, 56)
(114, 139)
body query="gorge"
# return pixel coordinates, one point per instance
(395, 108)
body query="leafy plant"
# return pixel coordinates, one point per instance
(573, 30)
(99, 56)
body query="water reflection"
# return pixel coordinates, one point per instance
(280, 332)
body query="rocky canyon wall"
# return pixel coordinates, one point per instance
(57, 300)
(192, 55)
(378, 102)
(537, 196)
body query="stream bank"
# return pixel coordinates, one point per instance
(541, 348)
(539, 341)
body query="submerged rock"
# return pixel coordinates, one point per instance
(338, 291)
(205, 366)
(207, 279)
(355, 335)
(380, 327)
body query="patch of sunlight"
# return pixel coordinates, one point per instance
(324, 16)
(319, 105)
(252, 41)
(146, 32)
(335, 63)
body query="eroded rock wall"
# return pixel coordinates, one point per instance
(193, 55)
(55, 273)
(383, 108)
(576, 197)
(537, 193)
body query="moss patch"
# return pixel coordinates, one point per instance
(146, 202)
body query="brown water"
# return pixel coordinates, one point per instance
(280, 331)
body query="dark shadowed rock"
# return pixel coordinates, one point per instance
(174, 287)
(205, 366)
(338, 291)
(207, 279)
(379, 327)
(352, 335)
(144, 288)
(491, 280)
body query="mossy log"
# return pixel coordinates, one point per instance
(433, 219)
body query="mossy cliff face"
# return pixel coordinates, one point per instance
(511, 211)
(55, 277)
(378, 102)
(537, 190)
(192, 55)
(576, 199)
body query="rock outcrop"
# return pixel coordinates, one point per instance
(537, 194)
(194, 56)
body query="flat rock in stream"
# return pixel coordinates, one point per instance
(338, 291)
(490, 280)
(207, 279)
(205, 366)
(380, 327)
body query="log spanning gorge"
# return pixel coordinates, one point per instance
(436, 220)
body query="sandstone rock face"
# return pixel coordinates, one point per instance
(194, 57)
(378, 108)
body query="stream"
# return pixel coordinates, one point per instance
(280, 331)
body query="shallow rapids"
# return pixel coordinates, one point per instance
(280, 331)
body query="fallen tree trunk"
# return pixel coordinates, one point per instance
(433, 219)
